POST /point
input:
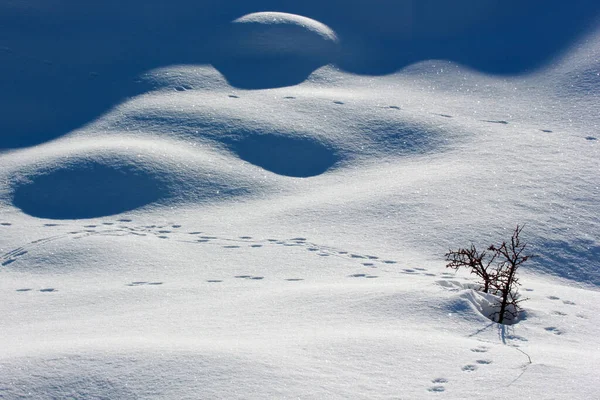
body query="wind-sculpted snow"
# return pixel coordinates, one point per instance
(212, 199)
(77, 181)
(273, 49)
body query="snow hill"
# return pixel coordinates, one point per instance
(207, 199)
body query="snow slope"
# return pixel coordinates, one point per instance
(199, 201)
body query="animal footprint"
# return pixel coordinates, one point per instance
(5, 223)
(141, 283)
(254, 278)
(569, 302)
(362, 276)
(496, 121)
(516, 337)
(484, 362)
(559, 313)
(480, 349)
(590, 138)
(436, 389)
(214, 280)
(440, 380)
(24, 290)
(48, 290)
(546, 130)
(338, 102)
(553, 298)
(294, 279)
(554, 330)
(394, 107)
(233, 96)
(469, 368)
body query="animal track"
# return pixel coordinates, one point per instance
(553, 298)
(591, 138)
(294, 279)
(214, 280)
(142, 283)
(5, 224)
(254, 278)
(469, 368)
(554, 330)
(496, 121)
(24, 290)
(516, 337)
(48, 290)
(569, 302)
(484, 362)
(546, 130)
(170, 231)
(437, 389)
(480, 349)
(362, 276)
(394, 107)
(559, 313)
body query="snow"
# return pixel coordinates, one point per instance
(211, 200)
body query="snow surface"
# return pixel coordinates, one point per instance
(212, 200)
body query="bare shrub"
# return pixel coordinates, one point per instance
(497, 267)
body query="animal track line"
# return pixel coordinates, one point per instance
(171, 231)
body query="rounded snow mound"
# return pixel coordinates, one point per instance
(99, 180)
(273, 49)
(281, 33)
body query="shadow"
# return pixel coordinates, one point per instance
(299, 157)
(573, 258)
(266, 72)
(64, 63)
(87, 190)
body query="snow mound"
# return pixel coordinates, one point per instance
(274, 49)
(101, 180)
(277, 33)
